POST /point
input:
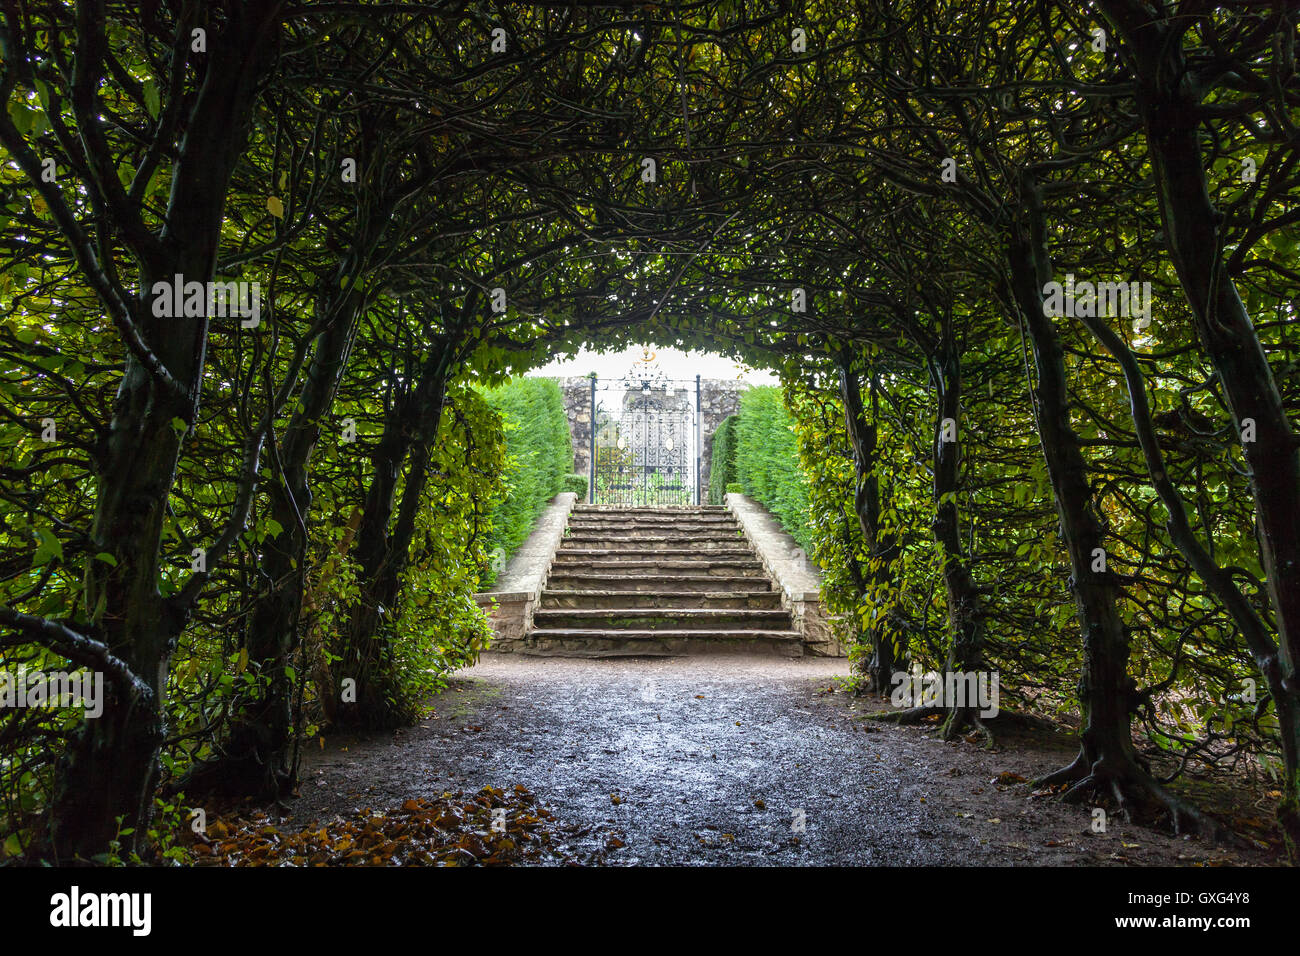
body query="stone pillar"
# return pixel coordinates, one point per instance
(577, 404)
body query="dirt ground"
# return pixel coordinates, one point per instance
(734, 761)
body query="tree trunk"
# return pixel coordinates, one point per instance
(1107, 765)
(255, 758)
(886, 654)
(1169, 104)
(965, 616)
(410, 430)
(110, 769)
(106, 780)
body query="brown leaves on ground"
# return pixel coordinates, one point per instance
(449, 830)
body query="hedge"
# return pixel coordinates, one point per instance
(722, 459)
(767, 460)
(539, 454)
(577, 484)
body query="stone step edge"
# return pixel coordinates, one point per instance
(589, 522)
(665, 552)
(679, 580)
(621, 535)
(632, 556)
(576, 633)
(585, 508)
(661, 613)
(570, 592)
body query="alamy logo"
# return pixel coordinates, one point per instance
(1087, 299)
(58, 689)
(196, 300)
(953, 689)
(74, 908)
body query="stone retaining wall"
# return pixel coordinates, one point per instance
(510, 607)
(787, 565)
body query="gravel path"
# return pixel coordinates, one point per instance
(720, 761)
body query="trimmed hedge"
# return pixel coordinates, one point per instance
(722, 459)
(577, 484)
(767, 460)
(539, 454)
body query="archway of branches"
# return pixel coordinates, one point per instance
(1026, 290)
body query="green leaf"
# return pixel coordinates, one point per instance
(48, 547)
(22, 116)
(151, 102)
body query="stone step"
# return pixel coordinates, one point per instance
(658, 581)
(615, 513)
(607, 580)
(705, 554)
(759, 600)
(671, 510)
(709, 539)
(578, 642)
(651, 521)
(652, 530)
(660, 619)
(641, 564)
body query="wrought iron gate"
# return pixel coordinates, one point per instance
(645, 439)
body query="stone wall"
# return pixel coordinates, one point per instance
(519, 586)
(718, 399)
(798, 579)
(577, 402)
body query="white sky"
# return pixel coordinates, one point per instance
(675, 363)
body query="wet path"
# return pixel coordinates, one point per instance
(737, 761)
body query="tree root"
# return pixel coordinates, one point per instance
(1076, 771)
(959, 718)
(242, 774)
(1288, 818)
(908, 717)
(1125, 789)
(955, 721)
(1014, 719)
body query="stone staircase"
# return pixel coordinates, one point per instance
(658, 581)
